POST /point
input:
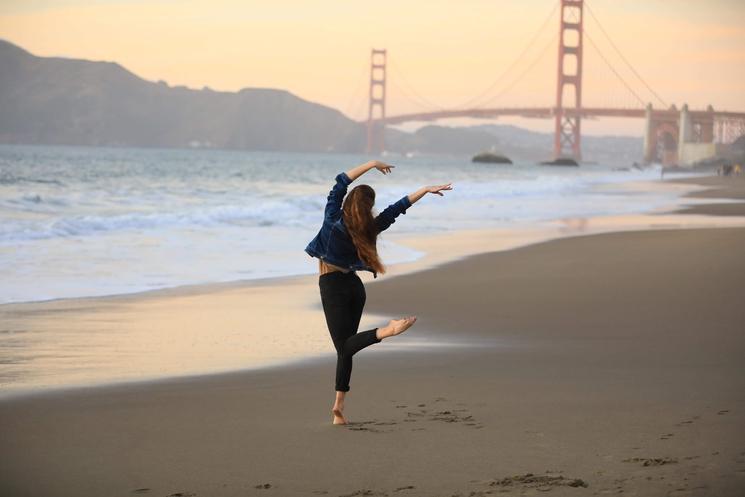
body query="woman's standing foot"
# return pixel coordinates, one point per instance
(338, 416)
(395, 327)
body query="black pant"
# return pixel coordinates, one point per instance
(343, 297)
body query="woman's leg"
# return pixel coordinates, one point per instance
(358, 341)
(343, 297)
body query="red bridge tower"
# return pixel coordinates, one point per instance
(376, 130)
(567, 131)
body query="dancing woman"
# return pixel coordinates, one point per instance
(346, 243)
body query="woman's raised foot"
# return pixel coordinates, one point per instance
(395, 327)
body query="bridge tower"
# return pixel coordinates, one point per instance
(376, 131)
(567, 129)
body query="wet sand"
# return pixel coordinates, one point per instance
(718, 187)
(597, 364)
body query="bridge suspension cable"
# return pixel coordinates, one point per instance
(620, 54)
(610, 66)
(525, 72)
(355, 100)
(410, 93)
(428, 104)
(514, 63)
(412, 99)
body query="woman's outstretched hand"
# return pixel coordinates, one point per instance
(358, 171)
(382, 166)
(438, 189)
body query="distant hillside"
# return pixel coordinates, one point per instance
(517, 143)
(532, 145)
(61, 101)
(50, 100)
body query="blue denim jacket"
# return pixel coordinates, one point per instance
(333, 243)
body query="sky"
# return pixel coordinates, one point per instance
(441, 54)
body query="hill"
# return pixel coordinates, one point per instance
(63, 101)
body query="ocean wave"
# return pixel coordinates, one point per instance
(293, 213)
(33, 201)
(10, 179)
(259, 210)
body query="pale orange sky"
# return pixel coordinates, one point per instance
(441, 53)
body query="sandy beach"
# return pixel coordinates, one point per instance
(730, 187)
(594, 364)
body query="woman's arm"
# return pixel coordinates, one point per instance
(358, 171)
(384, 220)
(339, 190)
(436, 189)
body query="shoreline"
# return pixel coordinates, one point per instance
(262, 294)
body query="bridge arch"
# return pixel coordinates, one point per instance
(665, 143)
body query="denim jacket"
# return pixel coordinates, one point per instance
(333, 243)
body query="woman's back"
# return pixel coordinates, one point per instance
(333, 244)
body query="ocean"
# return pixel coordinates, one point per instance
(80, 221)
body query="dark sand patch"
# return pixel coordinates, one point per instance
(652, 461)
(540, 482)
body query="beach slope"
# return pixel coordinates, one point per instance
(594, 365)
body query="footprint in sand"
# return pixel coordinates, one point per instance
(263, 485)
(368, 426)
(543, 483)
(460, 415)
(140, 490)
(651, 461)
(364, 491)
(723, 411)
(453, 415)
(361, 428)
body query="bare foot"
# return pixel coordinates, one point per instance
(395, 327)
(338, 416)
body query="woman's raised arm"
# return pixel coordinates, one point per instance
(358, 171)
(436, 189)
(390, 213)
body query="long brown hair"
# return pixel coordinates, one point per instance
(360, 223)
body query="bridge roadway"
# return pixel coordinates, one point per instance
(549, 112)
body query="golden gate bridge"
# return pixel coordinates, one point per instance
(671, 135)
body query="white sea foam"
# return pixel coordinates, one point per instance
(86, 221)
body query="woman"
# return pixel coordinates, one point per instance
(346, 243)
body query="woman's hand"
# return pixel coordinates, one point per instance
(381, 166)
(438, 189)
(358, 171)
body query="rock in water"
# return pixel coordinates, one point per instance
(491, 158)
(560, 162)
